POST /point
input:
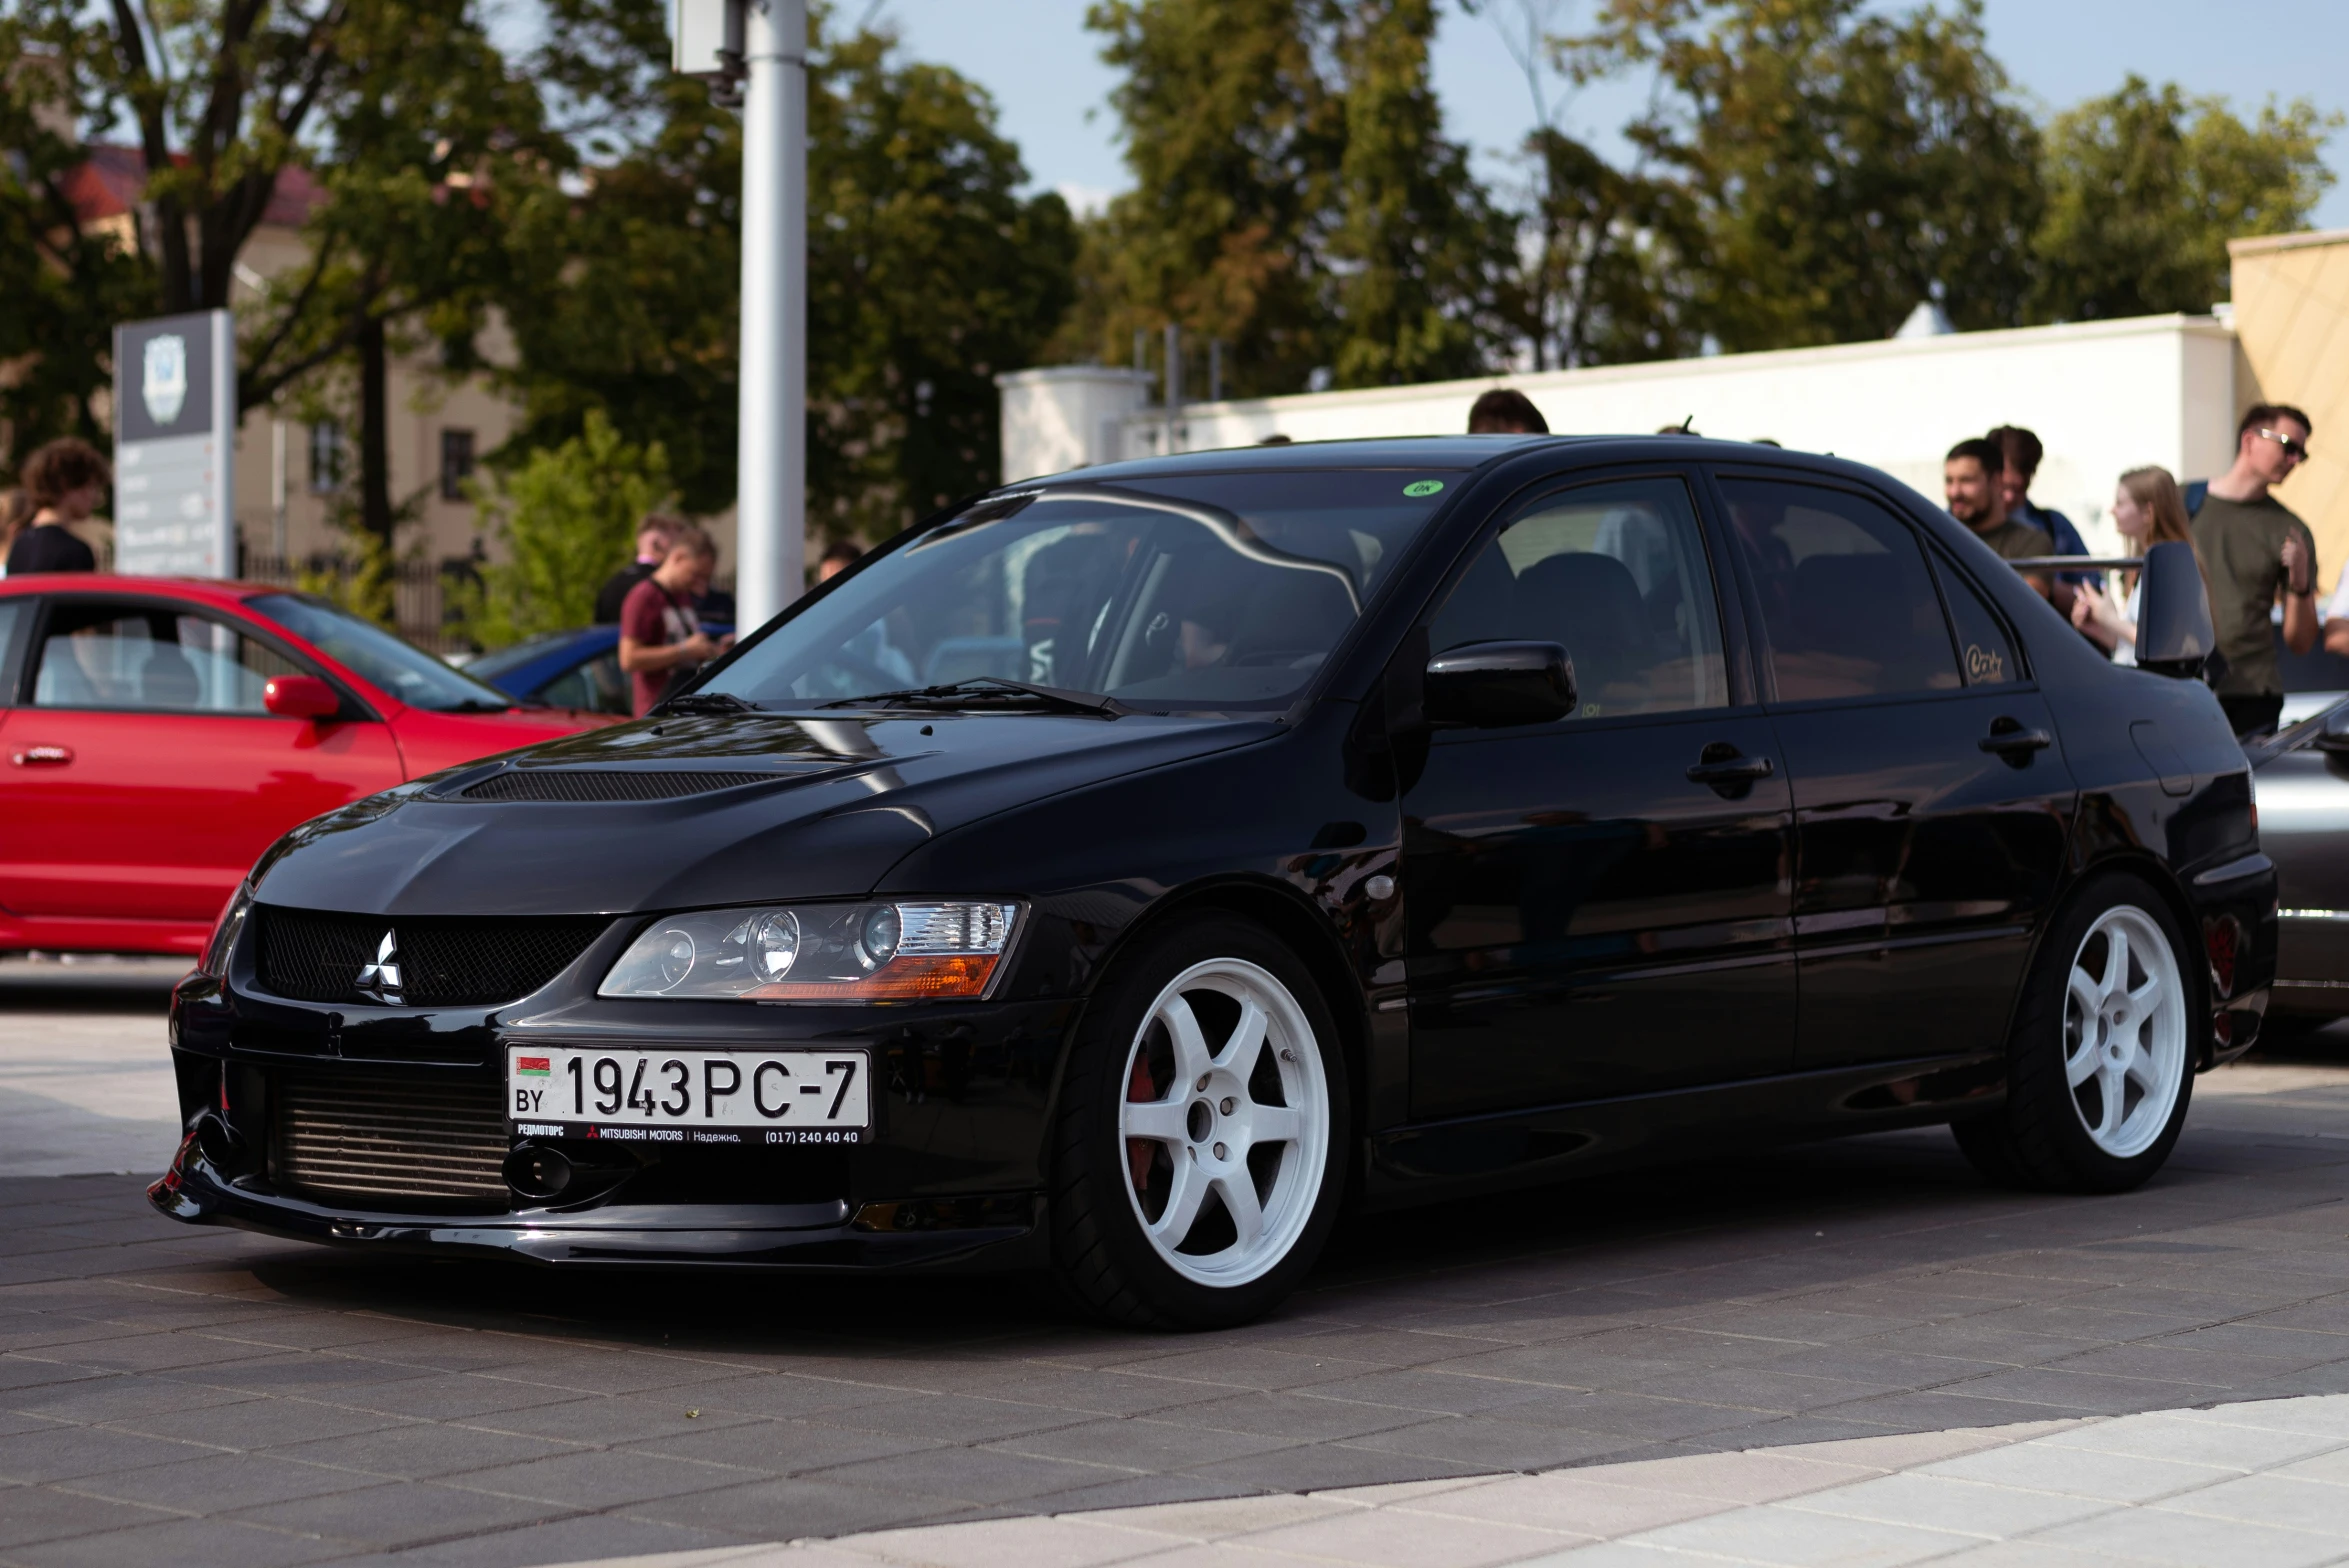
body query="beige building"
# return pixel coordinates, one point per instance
(2105, 396)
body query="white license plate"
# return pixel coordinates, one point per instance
(720, 1097)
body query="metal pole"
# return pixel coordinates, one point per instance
(771, 495)
(277, 528)
(1174, 381)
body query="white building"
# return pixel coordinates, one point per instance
(2104, 396)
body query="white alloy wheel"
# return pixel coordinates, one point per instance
(1224, 1123)
(2124, 1031)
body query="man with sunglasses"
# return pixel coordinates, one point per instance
(2254, 552)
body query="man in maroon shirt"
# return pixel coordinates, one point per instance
(661, 642)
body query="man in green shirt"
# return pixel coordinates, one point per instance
(2254, 551)
(1970, 485)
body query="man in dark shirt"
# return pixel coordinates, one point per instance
(2255, 551)
(2024, 452)
(652, 548)
(1970, 485)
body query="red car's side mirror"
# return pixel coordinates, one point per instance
(301, 697)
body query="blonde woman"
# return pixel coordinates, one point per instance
(2148, 510)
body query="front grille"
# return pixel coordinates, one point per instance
(428, 1139)
(605, 784)
(440, 962)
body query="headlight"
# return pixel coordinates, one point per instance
(224, 935)
(818, 953)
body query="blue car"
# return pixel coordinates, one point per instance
(574, 669)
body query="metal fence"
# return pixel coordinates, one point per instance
(425, 594)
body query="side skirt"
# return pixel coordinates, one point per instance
(1476, 1154)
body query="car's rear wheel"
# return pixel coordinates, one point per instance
(1201, 1139)
(2101, 1064)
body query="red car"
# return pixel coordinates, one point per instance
(160, 733)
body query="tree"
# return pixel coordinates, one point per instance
(66, 283)
(2146, 186)
(1234, 130)
(1424, 250)
(1843, 165)
(927, 273)
(565, 515)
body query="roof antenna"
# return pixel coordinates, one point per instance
(1686, 423)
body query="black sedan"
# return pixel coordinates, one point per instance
(1123, 873)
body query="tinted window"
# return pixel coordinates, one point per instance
(1203, 590)
(1985, 653)
(1615, 572)
(1848, 608)
(150, 659)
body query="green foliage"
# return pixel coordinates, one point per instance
(1234, 130)
(1422, 247)
(2146, 186)
(64, 286)
(928, 274)
(1606, 278)
(1843, 164)
(567, 515)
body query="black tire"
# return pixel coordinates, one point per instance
(1102, 1255)
(2039, 1139)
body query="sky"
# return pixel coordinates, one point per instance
(1051, 88)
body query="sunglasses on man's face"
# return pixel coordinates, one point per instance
(2294, 448)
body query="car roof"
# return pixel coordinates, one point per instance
(1442, 451)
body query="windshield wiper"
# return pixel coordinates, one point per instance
(974, 692)
(708, 702)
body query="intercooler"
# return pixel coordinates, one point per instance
(429, 1140)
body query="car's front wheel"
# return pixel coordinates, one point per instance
(2101, 1064)
(1201, 1146)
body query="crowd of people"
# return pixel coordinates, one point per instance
(2258, 559)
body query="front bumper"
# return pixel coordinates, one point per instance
(950, 1176)
(982, 1234)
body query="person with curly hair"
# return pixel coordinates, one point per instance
(62, 484)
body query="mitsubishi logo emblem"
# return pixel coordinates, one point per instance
(380, 981)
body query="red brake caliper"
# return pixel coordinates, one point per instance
(1141, 1089)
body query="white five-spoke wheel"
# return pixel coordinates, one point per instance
(1225, 1122)
(1201, 1144)
(2100, 1061)
(2124, 1031)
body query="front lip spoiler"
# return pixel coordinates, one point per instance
(197, 1194)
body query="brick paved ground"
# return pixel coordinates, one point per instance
(184, 1396)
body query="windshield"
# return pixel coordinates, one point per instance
(1204, 591)
(401, 669)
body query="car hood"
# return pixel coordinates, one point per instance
(707, 809)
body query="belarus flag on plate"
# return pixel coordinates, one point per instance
(531, 1066)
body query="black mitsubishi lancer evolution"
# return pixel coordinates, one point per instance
(1125, 872)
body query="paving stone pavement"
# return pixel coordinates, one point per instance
(2264, 1483)
(185, 1396)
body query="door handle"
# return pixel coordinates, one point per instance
(2016, 742)
(43, 757)
(1731, 770)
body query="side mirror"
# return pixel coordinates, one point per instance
(301, 697)
(1493, 684)
(2174, 636)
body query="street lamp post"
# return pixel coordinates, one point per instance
(762, 45)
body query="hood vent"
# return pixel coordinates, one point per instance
(596, 785)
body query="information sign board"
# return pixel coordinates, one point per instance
(175, 420)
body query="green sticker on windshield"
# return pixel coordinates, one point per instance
(1423, 487)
